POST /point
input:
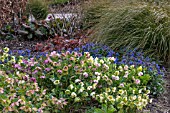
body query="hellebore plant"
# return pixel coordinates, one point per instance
(78, 79)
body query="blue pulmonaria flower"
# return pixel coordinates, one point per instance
(28, 51)
(10, 52)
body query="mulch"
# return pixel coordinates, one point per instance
(162, 103)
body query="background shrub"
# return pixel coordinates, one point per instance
(38, 8)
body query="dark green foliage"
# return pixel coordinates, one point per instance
(69, 29)
(28, 30)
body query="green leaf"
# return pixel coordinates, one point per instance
(98, 110)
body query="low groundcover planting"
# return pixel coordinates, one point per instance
(69, 81)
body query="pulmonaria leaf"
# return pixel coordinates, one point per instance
(38, 33)
(26, 26)
(22, 32)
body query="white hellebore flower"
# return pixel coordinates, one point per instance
(93, 94)
(73, 95)
(71, 86)
(97, 73)
(126, 67)
(101, 61)
(77, 80)
(112, 59)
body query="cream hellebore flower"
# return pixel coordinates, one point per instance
(117, 98)
(82, 84)
(139, 97)
(98, 78)
(101, 99)
(71, 86)
(145, 102)
(106, 66)
(90, 60)
(126, 74)
(114, 89)
(94, 86)
(56, 82)
(110, 97)
(1, 90)
(140, 91)
(77, 80)
(139, 68)
(6, 49)
(147, 91)
(132, 66)
(89, 87)
(67, 92)
(116, 73)
(101, 61)
(134, 97)
(12, 58)
(121, 92)
(5, 55)
(73, 95)
(97, 73)
(77, 99)
(120, 68)
(112, 59)
(87, 54)
(108, 90)
(126, 67)
(150, 101)
(81, 90)
(93, 94)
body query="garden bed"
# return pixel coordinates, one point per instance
(73, 75)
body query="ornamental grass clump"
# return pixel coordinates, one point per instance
(79, 79)
(137, 25)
